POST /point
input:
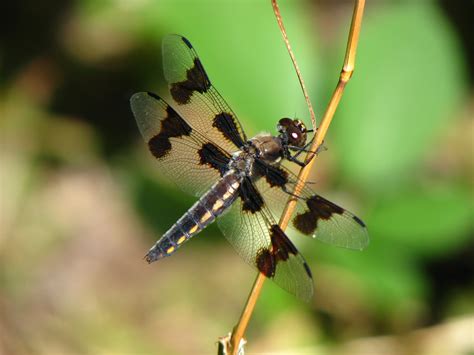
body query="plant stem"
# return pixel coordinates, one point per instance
(345, 75)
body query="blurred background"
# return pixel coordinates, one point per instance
(82, 200)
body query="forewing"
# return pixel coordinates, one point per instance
(250, 228)
(183, 154)
(197, 99)
(314, 216)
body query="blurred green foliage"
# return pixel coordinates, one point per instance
(399, 156)
(410, 78)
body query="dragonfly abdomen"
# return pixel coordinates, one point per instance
(212, 204)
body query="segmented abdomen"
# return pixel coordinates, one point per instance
(212, 204)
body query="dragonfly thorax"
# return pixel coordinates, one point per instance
(242, 160)
(268, 148)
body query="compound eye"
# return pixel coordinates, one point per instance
(297, 135)
(293, 130)
(284, 124)
(301, 126)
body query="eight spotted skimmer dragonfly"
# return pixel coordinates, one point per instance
(200, 145)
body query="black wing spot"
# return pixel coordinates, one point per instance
(172, 126)
(196, 80)
(282, 247)
(226, 124)
(359, 221)
(251, 198)
(308, 270)
(275, 176)
(214, 157)
(186, 41)
(318, 208)
(266, 262)
(155, 96)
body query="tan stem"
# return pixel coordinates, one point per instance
(346, 74)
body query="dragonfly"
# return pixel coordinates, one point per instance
(243, 183)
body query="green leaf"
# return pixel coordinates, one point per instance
(407, 82)
(425, 221)
(387, 277)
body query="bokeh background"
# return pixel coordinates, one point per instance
(81, 199)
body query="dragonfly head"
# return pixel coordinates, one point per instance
(292, 132)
